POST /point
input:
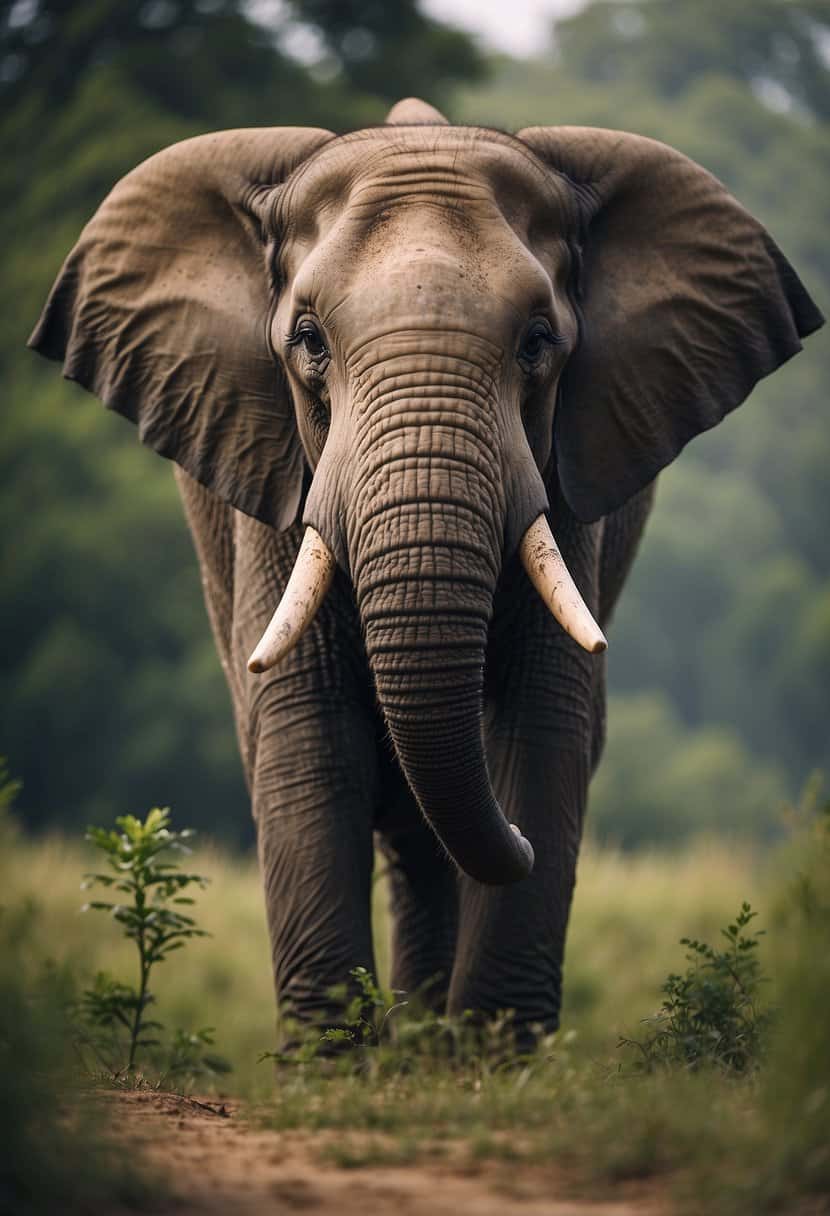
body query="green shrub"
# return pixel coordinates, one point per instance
(710, 1014)
(152, 918)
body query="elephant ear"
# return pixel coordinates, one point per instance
(161, 310)
(687, 302)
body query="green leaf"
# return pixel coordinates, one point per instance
(151, 921)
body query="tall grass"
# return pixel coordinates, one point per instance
(756, 1143)
(54, 1153)
(629, 913)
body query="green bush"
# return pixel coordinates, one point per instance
(152, 918)
(711, 1014)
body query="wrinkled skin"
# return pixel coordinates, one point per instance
(323, 777)
(427, 286)
(423, 291)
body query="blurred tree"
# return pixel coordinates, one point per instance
(186, 55)
(213, 62)
(661, 784)
(776, 47)
(392, 50)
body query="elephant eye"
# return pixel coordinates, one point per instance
(308, 335)
(538, 338)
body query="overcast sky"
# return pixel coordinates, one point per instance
(517, 26)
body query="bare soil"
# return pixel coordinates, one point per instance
(218, 1159)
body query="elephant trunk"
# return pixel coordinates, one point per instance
(441, 752)
(425, 554)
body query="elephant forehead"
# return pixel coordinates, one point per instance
(466, 171)
(420, 264)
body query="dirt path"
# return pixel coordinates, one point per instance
(220, 1162)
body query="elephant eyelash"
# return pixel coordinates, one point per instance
(537, 338)
(308, 330)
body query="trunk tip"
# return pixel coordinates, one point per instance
(529, 856)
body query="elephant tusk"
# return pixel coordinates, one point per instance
(547, 571)
(304, 593)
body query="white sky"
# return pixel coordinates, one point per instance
(519, 27)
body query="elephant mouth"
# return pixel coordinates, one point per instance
(314, 570)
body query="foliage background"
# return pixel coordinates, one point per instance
(111, 697)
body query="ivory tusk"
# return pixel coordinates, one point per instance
(304, 593)
(547, 571)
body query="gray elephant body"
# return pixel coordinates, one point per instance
(419, 339)
(324, 779)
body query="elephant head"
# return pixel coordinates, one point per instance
(407, 336)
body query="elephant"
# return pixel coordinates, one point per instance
(417, 381)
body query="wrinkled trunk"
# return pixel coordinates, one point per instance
(425, 551)
(441, 752)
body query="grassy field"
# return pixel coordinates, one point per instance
(752, 1143)
(629, 914)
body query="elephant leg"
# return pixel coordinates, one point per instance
(212, 523)
(540, 723)
(511, 939)
(313, 817)
(423, 890)
(314, 786)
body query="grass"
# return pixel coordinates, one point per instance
(728, 1145)
(55, 1152)
(222, 981)
(629, 913)
(745, 1132)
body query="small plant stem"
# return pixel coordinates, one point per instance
(142, 994)
(148, 891)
